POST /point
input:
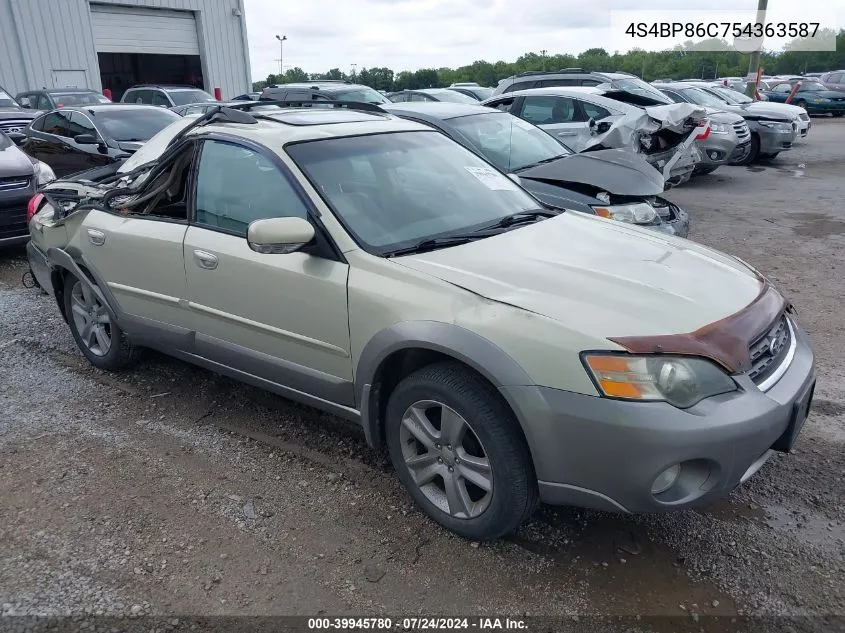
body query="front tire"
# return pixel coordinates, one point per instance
(801, 104)
(459, 451)
(100, 340)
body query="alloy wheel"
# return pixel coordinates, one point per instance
(446, 459)
(91, 319)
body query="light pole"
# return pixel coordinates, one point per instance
(281, 39)
(543, 53)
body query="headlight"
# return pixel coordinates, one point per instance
(43, 173)
(680, 381)
(719, 128)
(777, 125)
(636, 213)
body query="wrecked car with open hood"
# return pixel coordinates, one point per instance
(592, 118)
(611, 183)
(502, 351)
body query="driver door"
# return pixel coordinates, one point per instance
(280, 317)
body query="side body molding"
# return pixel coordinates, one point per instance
(463, 345)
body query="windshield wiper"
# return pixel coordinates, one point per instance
(521, 218)
(434, 243)
(551, 159)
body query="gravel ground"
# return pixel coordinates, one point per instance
(170, 491)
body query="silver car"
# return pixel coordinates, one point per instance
(502, 351)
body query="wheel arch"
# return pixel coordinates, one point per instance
(399, 350)
(63, 264)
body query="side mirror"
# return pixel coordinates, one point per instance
(591, 125)
(603, 127)
(86, 139)
(24, 103)
(279, 236)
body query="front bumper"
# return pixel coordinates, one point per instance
(602, 453)
(717, 149)
(772, 142)
(836, 107)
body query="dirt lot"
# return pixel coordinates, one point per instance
(170, 490)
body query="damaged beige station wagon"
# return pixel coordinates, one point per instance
(503, 351)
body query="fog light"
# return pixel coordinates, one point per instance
(666, 479)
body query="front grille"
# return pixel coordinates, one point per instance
(17, 125)
(11, 183)
(742, 131)
(13, 221)
(769, 351)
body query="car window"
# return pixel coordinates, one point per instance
(133, 124)
(782, 88)
(547, 110)
(42, 102)
(425, 185)
(504, 105)
(186, 96)
(591, 82)
(416, 96)
(508, 142)
(38, 124)
(551, 83)
(521, 85)
(236, 186)
(160, 99)
(78, 98)
(399, 98)
(6, 100)
(139, 96)
(674, 96)
(595, 112)
(57, 123)
(194, 109)
(81, 124)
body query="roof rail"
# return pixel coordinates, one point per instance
(246, 106)
(528, 73)
(572, 70)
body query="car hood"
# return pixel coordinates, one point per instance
(17, 113)
(13, 162)
(616, 171)
(723, 116)
(828, 94)
(765, 110)
(598, 276)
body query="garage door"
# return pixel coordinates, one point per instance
(136, 30)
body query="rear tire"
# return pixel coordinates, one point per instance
(753, 152)
(459, 451)
(100, 340)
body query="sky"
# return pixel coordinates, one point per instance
(413, 34)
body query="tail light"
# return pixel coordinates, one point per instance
(32, 207)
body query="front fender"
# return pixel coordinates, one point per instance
(59, 258)
(454, 341)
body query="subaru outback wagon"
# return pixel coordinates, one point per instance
(503, 351)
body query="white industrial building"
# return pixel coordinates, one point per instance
(114, 44)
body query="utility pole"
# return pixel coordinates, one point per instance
(354, 66)
(281, 39)
(754, 64)
(543, 53)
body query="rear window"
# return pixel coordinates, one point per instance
(65, 99)
(365, 95)
(134, 125)
(184, 97)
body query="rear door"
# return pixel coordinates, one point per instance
(50, 141)
(283, 318)
(559, 116)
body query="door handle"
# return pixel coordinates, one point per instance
(96, 237)
(205, 260)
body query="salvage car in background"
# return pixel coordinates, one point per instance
(323, 90)
(479, 93)
(165, 96)
(748, 107)
(13, 118)
(730, 137)
(20, 176)
(76, 139)
(502, 351)
(813, 96)
(46, 99)
(431, 94)
(834, 80)
(593, 118)
(611, 183)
